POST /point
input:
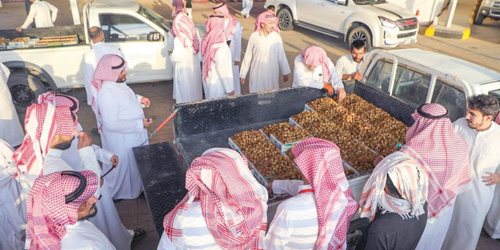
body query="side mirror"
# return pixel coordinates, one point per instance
(154, 36)
(342, 2)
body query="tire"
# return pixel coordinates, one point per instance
(24, 89)
(360, 33)
(479, 19)
(285, 19)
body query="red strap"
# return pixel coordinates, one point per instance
(310, 190)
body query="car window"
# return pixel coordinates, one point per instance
(380, 75)
(411, 85)
(123, 28)
(450, 97)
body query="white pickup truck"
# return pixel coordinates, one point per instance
(377, 22)
(417, 76)
(140, 33)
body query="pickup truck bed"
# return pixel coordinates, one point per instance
(44, 32)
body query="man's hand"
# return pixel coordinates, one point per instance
(84, 140)
(357, 76)
(147, 121)
(328, 88)
(236, 63)
(114, 161)
(19, 29)
(231, 93)
(491, 179)
(341, 94)
(242, 80)
(145, 101)
(285, 78)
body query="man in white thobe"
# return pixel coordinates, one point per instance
(233, 31)
(42, 12)
(246, 6)
(58, 207)
(12, 214)
(312, 68)
(122, 125)
(217, 62)
(184, 44)
(348, 66)
(92, 58)
(10, 126)
(265, 56)
(482, 136)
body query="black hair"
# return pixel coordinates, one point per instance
(486, 104)
(393, 191)
(271, 8)
(94, 32)
(358, 44)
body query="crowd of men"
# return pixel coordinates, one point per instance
(436, 192)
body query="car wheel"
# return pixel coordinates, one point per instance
(24, 89)
(285, 19)
(360, 33)
(479, 19)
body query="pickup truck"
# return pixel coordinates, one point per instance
(417, 76)
(489, 9)
(140, 33)
(377, 22)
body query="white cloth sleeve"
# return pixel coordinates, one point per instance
(279, 232)
(224, 68)
(247, 59)
(54, 11)
(237, 43)
(165, 243)
(299, 72)
(102, 155)
(29, 18)
(335, 78)
(109, 115)
(290, 187)
(89, 162)
(139, 97)
(339, 67)
(284, 66)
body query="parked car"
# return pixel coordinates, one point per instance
(377, 22)
(489, 9)
(417, 76)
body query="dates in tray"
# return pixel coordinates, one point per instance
(286, 133)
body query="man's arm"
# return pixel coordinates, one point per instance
(247, 59)
(290, 187)
(109, 110)
(284, 66)
(279, 232)
(224, 69)
(237, 43)
(54, 10)
(29, 18)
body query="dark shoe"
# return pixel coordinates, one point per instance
(139, 233)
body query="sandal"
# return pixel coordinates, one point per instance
(138, 234)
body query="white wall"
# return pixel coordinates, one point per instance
(429, 9)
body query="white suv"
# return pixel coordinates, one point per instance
(377, 22)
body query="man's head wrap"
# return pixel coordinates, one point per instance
(410, 181)
(214, 35)
(233, 203)
(317, 56)
(232, 22)
(42, 122)
(267, 17)
(184, 29)
(58, 99)
(179, 6)
(47, 210)
(321, 164)
(443, 154)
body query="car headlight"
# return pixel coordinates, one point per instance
(386, 22)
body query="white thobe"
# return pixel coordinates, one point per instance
(435, 229)
(303, 77)
(187, 70)
(235, 47)
(246, 7)
(90, 61)
(346, 65)
(492, 222)
(83, 235)
(107, 219)
(195, 233)
(122, 129)
(219, 82)
(10, 126)
(40, 11)
(12, 214)
(472, 206)
(265, 59)
(295, 225)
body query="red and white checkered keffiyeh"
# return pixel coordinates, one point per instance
(214, 35)
(47, 210)
(42, 122)
(60, 100)
(321, 164)
(184, 29)
(443, 154)
(233, 203)
(109, 69)
(407, 176)
(267, 17)
(221, 8)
